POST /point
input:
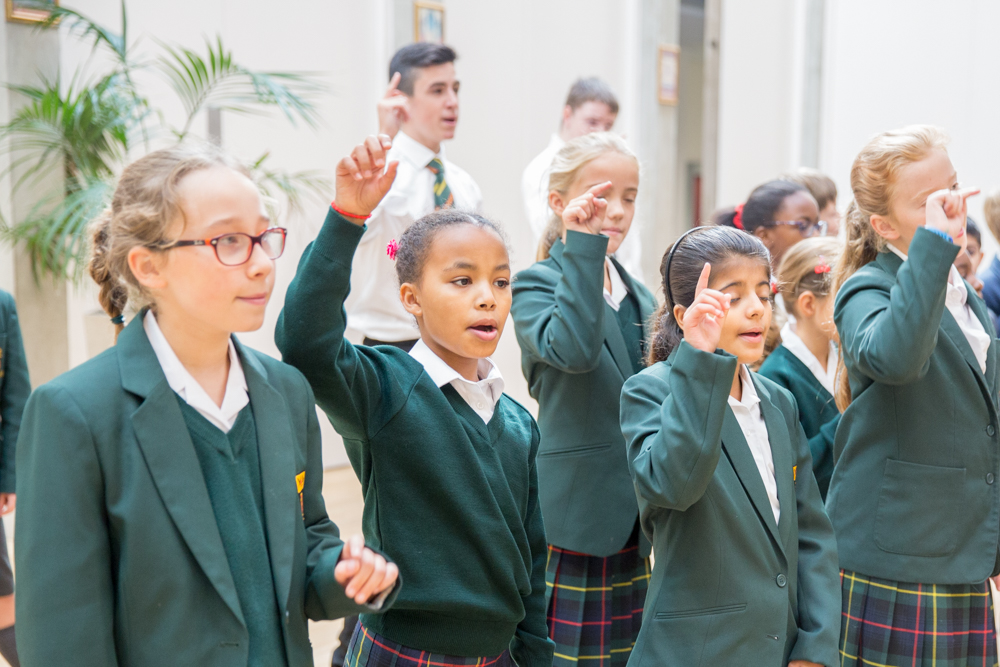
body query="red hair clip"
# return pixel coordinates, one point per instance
(774, 286)
(822, 267)
(738, 218)
(392, 249)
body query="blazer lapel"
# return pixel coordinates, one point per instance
(781, 458)
(615, 342)
(173, 464)
(277, 471)
(741, 458)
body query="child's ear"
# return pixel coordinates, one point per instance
(556, 202)
(145, 266)
(410, 299)
(806, 304)
(567, 113)
(884, 228)
(679, 311)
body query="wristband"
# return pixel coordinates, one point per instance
(344, 213)
(943, 235)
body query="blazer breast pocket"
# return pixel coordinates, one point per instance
(919, 508)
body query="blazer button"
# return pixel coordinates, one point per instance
(990, 431)
(989, 478)
(781, 580)
(287, 617)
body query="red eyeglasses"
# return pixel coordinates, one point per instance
(236, 248)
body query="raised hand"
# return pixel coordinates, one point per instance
(362, 572)
(392, 109)
(361, 182)
(586, 212)
(946, 211)
(702, 323)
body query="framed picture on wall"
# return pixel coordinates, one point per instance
(29, 11)
(669, 73)
(428, 22)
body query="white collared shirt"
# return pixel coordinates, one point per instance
(535, 189)
(182, 382)
(826, 376)
(482, 396)
(956, 301)
(374, 308)
(618, 289)
(751, 421)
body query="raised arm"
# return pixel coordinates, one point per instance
(561, 323)
(65, 590)
(888, 334)
(349, 382)
(531, 646)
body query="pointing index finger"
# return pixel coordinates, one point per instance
(600, 189)
(706, 271)
(393, 84)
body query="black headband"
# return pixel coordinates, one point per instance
(670, 259)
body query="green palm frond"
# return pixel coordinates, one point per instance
(85, 129)
(218, 81)
(86, 28)
(297, 187)
(55, 233)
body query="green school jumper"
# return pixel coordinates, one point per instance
(14, 388)
(231, 466)
(818, 412)
(452, 500)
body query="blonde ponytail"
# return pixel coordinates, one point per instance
(873, 178)
(566, 168)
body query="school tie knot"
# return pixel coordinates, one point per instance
(442, 193)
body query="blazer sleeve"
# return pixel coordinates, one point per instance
(325, 598)
(888, 335)
(562, 324)
(531, 646)
(62, 550)
(348, 381)
(15, 386)
(673, 426)
(819, 575)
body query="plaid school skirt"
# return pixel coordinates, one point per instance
(368, 649)
(888, 623)
(595, 604)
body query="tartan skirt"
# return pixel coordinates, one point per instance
(889, 623)
(595, 604)
(368, 649)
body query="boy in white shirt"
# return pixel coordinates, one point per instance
(420, 111)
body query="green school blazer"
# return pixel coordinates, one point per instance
(119, 558)
(817, 408)
(915, 493)
(729, 585)
(574, 358)
(14, 388)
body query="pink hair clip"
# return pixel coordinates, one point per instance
(822, 267)
(392, 249)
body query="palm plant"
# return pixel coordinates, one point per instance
(86, 132)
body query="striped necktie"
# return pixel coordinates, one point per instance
(442, 193)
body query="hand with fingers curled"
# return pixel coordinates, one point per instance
(392, 107)
(363, 573)
(586, 213)
(946, 211)
(363, 178)
(702, 320)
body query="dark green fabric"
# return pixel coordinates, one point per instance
(818, 411)
(231, 466)
(15, 386)
(915, 494)
(630, 323)
(453, 500)
(729, 585)
(576, 358)
(122, 562)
